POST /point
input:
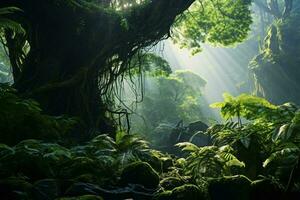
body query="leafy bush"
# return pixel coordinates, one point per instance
(265, 136)
(23, 119)
(209, 161)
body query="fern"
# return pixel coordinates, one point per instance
(209, 161)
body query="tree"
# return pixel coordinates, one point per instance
(78, 48)
(217, 22)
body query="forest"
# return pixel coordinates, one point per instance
(149, 99)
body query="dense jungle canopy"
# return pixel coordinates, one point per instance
(91, 106)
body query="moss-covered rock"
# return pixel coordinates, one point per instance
(184, 192)
(140, 173)
(233, 188)
(167, 162)
(155, 162)
(170, 183)
(188, 192)
(165, 195)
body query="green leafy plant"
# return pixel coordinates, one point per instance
(268, 136)
(285, 154)
(209, 161)
(23, 119)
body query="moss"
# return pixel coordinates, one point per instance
(188, 192)
(184, 192)
(155, 162)
(233, 187)
(171, 182)
(140, 173)
(166, 195)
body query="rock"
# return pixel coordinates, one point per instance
(171, 182)
(140, 173)
(166, 195)
(167, 162)
(155, 162)
(233, 188)
(80, 189)
(118, 193)
(188, 192)
(197, 126)
(184, 192)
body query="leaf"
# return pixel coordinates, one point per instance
(235, 162)
(290, 149)
(187, 146)
(284, 133)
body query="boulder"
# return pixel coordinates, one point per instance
(171, 182)
(232, 187)
(184, 192)
(140, 173)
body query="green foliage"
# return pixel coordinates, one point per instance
(285, 154)
(100, 161)
(23, 119)
(150, 64)
(224, 22)
(247, 106)
(169, 99)
(209, 161)
(270, 134)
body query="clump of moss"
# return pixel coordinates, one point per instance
(140, 173)
(184, 192)
(232, 187)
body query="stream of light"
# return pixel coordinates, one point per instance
(224, 69)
